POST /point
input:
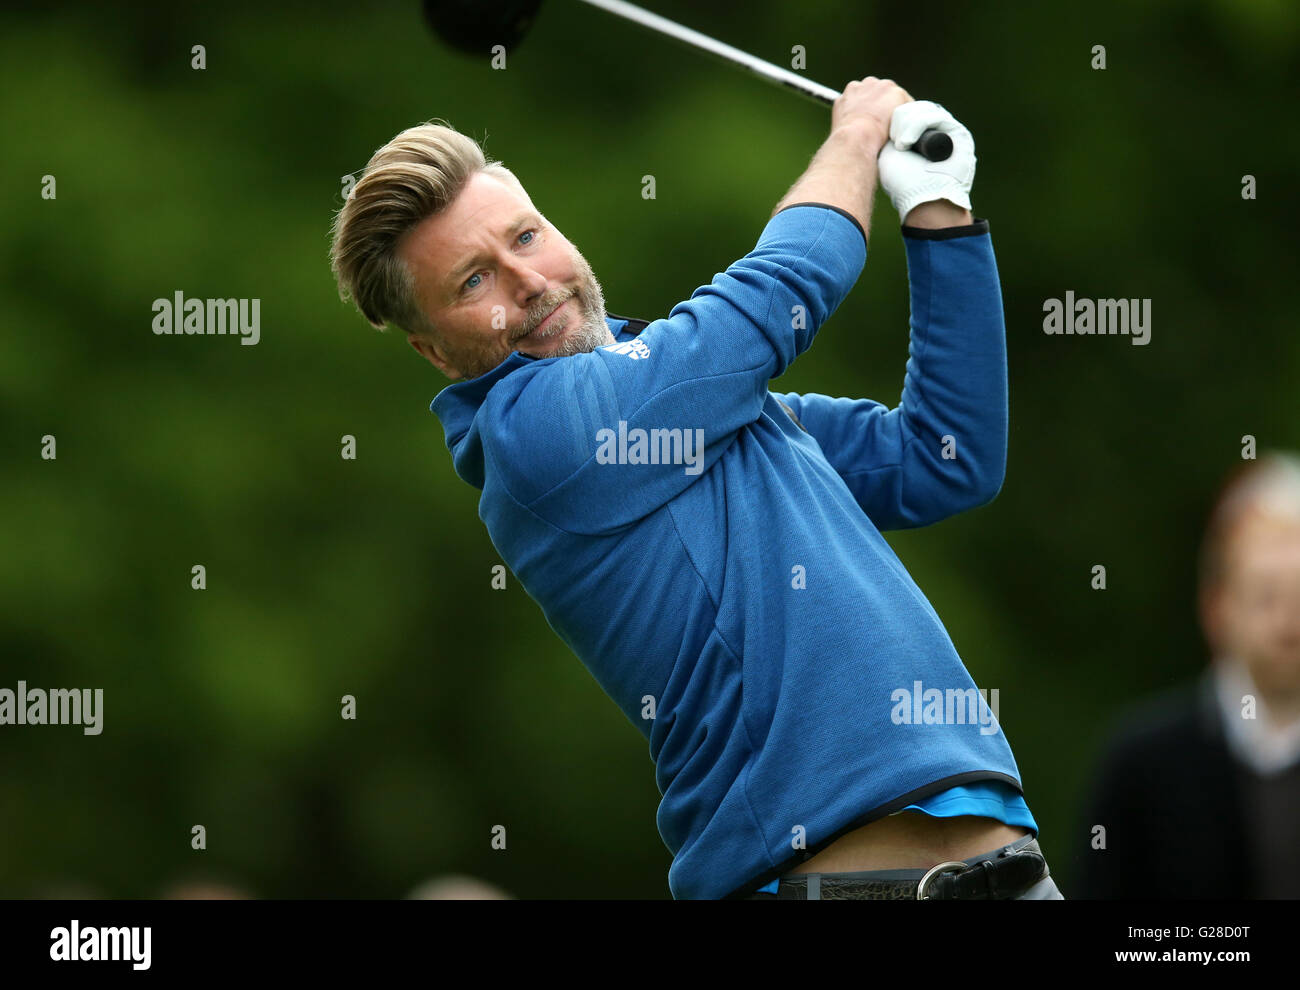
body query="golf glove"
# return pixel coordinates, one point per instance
(910, 179)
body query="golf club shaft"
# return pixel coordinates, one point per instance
(772, 73)
(934, 145)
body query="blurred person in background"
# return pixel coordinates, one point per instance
(457, 887)
(202, 888)
(1198, 790)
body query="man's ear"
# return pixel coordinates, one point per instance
(430, 352)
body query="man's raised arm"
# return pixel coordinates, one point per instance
(843, 172)
(943, 449)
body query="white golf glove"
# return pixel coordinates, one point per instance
(910, 179)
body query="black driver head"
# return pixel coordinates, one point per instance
(477, 26)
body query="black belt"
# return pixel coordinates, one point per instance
(1002, 875)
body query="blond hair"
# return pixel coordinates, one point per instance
(416, 175)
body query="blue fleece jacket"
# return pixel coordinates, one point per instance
(712, 550)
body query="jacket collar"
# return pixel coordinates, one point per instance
(457, 405)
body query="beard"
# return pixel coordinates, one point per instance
(589, 332)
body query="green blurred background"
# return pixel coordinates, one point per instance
(371, 577)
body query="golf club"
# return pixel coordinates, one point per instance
(474, 27)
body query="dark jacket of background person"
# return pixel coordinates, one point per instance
(1169, 796)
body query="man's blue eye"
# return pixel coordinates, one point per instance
(531, 234)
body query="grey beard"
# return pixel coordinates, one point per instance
(593, 331)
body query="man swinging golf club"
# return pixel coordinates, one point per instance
(711, 550)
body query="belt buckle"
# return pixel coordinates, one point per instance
(935, 871)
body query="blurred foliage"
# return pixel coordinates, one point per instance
(370, 577)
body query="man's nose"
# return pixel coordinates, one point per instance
(530, 284)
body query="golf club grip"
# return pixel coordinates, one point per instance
(933, 145)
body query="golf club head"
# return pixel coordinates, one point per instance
(476, 26)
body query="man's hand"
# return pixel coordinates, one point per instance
(911, 180)
(868, 106)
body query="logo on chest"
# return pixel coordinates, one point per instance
(635, 349)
